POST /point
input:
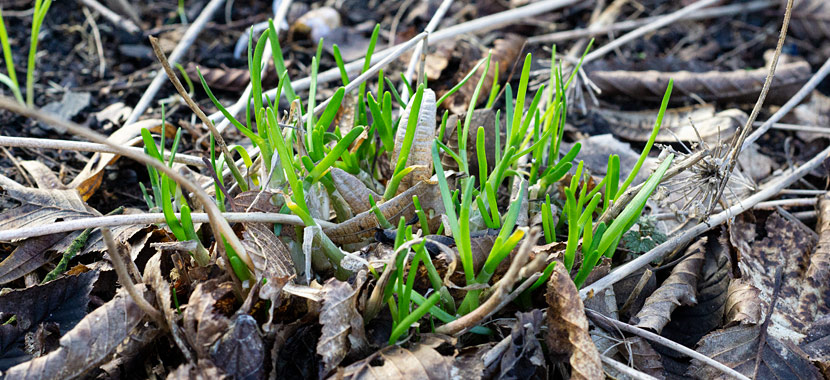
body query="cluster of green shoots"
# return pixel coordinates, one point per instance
(298, 148)
(10, 80)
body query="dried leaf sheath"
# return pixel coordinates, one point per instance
(419, 154)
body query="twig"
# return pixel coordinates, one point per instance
(83, 146)
(195, 108)
(630, 372)
(154, 218)
(416, 54)
(125, 280)
(189, 36)
(785, 203)
(115, 18)
(661, 250)
(667, 343)
(797, 127)
(794, 101)
(99, 47)
(738, 143)
(652, 26)
(220, 225)
(704, 14)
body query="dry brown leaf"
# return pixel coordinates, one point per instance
(644, 357)
(203, 321)
(817, 344)
(813, 112)
(28, 256)
(737, 347)
(342, 325)
(395, 362)
(88, 344)
(678, 123)
(43, 176)
(201, 370)
(419, 153)
(815, 294)
(742, 304)
(240, 351)
(810, 19)
(568, 327)
(41, 207)
(225, 78)
(524, 358)
(62, 302)
(353, 190)
(270, 256)
(680, 288)
(718, 86)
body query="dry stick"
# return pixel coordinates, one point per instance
(83, 146)
(667, 343)
(727, 10)
(502, 295)
(153, 218)
(654, 25)
(416, 54)
(787, 107)
(219, 224)
(797, 127)
(125, 280)
(195, 108)
(115, 18)
(630, 372)
(738, 143)
(663, 249)
(786, 203)
(188, 38)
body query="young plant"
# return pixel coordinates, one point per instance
(10, 80)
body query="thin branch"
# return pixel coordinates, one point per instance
(630, 372)
(114, 18)
(738, 143)
(154, 218)
(125, 280)
(667, 343)
(83, 146)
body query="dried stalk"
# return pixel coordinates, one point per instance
(125, 280)
(115, 18)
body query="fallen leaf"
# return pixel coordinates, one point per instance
(596, 149)
(419, 154)
(680, 288)
(70, 105)
(481, 118)
(742, 304)
(88, 344)
(40, 207)
(201, 370)
(814, 299)
(815, 111)
(342, 329)
(202, 321)
(718, 86)
(395, 362)
(738, 348)
(810, 19)
(678, 123)
(240, 351)
(568, 327)
(524, 357)
(817, 344)
(62, 301)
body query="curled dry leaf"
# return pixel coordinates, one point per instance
(203, 320)
(524, 358)
(811, 19)
(568, 327)
(420, 361)
(240, 351)
(353, 190)
(680, 288)
(88, 344)
(743, 306)
(201, 370)
(714, 86)
(63, 301)
(225, 78)
(813, 112)
(678, 123)
(420, 155)
(738, 348)
(814, 299)
(342, 325)
(270, 256)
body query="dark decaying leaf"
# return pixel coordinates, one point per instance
(644, 357)
(680, 288)
(568, 327)
(353, 190)
(201, 370)
(40, 207)
(63, 301)
(632, 291)
(678, 123)
(817, 344)
(714, 86)
(225, 78)
(814, 111)
(738, 348)
(240, 351)
(787, 247)
(88, 344)
(342, 325)
(270, 256)
(743, 306)
(203, 321)
(28, 256)
(395, 362)
(524, 358)
(810, 19)
(814, 298)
